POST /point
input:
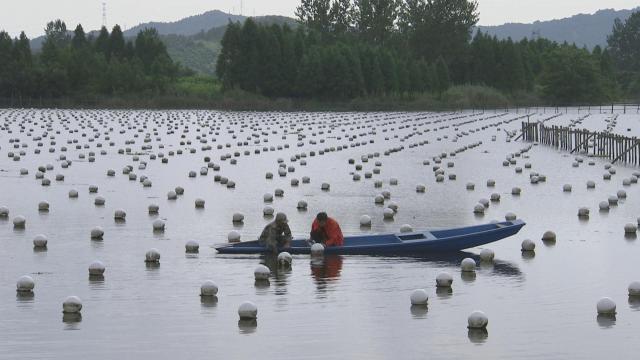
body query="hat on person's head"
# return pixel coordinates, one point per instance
(322, 216)
(281, 217)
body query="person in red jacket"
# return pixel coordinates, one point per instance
(326, 230)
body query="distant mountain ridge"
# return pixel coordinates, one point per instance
(583, 29)
(190, 25)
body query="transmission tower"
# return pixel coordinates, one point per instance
(104, 14)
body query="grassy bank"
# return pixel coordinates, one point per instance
(202, 93)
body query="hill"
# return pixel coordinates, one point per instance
(584, 29)
(190, 25)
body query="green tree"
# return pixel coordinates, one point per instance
(228, 63)
(570, 76)
(315, 14)
(116, 44)
(375, 19)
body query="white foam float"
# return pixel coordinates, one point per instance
(208, 289)
(388, 213)
(365, 220)
(261, 273)
(444, 280)
(158, 225)
(234, 236)
(468, 265)
(40, 241)
(406, 228)
(248, 311)
(153, 209)
(152, 256)
(237, 218)
(317, 249)
(285, 259)
(72, 305)
(192, 246)
(477, 320)
(25, 284)
(19, 222)
(630, 228)
(487, 255)
(96, 268)
(120, 214)
(97, 233)
(549, 236)
(199, 203)
(419, 297)
(606, 306)
(634, 288)
(528, 245)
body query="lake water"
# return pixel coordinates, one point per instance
(349, 307)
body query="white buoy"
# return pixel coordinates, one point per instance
(72, 305)
(267, 197)
(317, 249)
(510, 216)
(478, 209)
(444, 280)
(192, 246)
(325, 186)
(566, 188)
(73, 193)
(261, 273)
(238, 218)
(419, 297)
(634, 288)
(99, 201)
(606, 306)
(604, 206)
(158, 225)
(365, 220)
(43, 206)
(25, 284)
(591, 184)
(199, 203)
(516, 191)
(248, 311)
(96, 268)
(268, 210)
(630, 228)
(491, 183)
(471, 186)
(19, 222)
(97, 232)
(549, 236)
(528, 245)
(233, 236)
(120, 215)
(208, 288)
(468, 265)
(621, 194)
(583, 212)
(477, 320)
(153, 209)
(284, 259)
(4, 212)
(302, 205)
(388, 213)
(406, 228)
(152, 256)
(40, 241)
(487, 255)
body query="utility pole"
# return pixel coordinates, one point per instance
(104, 14)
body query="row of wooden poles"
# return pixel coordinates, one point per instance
(616, 148)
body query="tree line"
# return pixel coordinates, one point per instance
(77, 64)
(354, 48)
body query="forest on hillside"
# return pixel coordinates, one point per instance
(372, 51)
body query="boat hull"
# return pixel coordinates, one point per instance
(417, 243)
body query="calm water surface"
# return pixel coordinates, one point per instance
(357, 307)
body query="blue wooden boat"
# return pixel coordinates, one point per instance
(415, 243)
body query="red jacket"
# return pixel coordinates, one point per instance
(332, 232)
